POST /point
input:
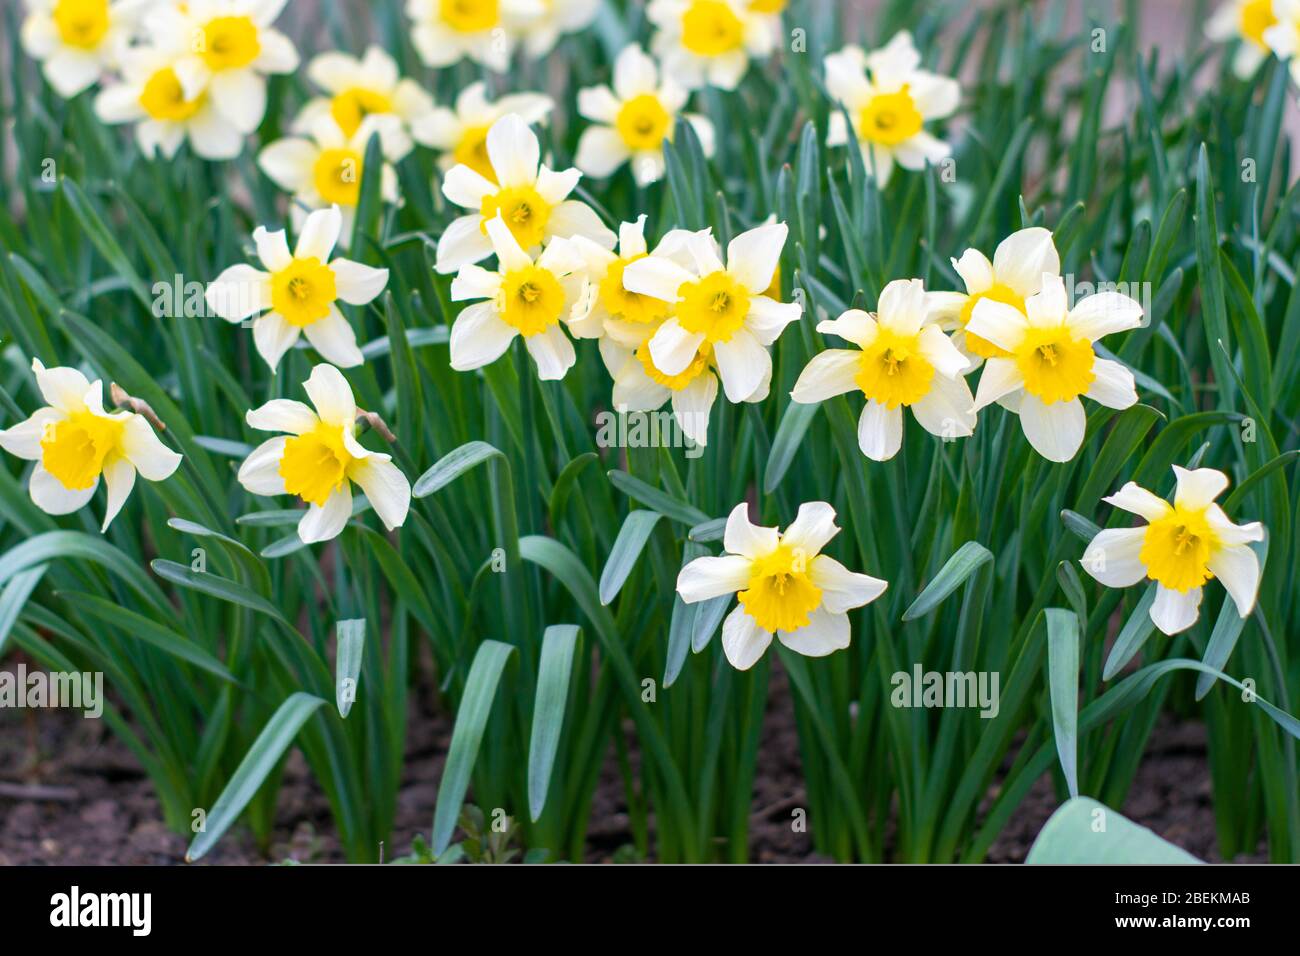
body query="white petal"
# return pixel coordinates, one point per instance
(555, 185)
(854, 326)
(335, 339)
(282, 415)
(601, 151)
(768, 318)
(52, 497)
(466, 188)
(745, 538)
(553, 353)
(921, 150)
(1112, 557)
(213, 136)
(1104, 313)
(1137, 500)
(1056, 430)
(145, 450)
(880, 431)
(1003, 325)
(1238, 568)
(829, 373)
(462, 243)
(475, 282)
(1050, 306)
(598, 104)
(479, 337)
(841, 588)
(975, 270)
(811, 528)
(330, 393)
(1113, 385)
(743, 641)
(656, 276)
(62, 387)
(711, 577)
(936, 97)
(635, 73)
(743, 365)
(752, 256)
(672, 348)
(260, 472)
(357, 284)
(119, 479)
(941, 353)
(693, 404)
(319, 234)
(513, 151)
(24, 438)
(1174, 611)
(321, 523)
(1229, 533)
(272, 248)
(1023, 258)
(288, 163)
(386, 488)
(240, 291)
(510, 255)
(273, 336)
(240, 97)
(825, 633)
(945, 410)
(573, 218)
(1198, 488)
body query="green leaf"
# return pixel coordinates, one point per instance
(1063, 684)
(261, 758)
(631, 540)
(1132, 636)
(785, 444)
(216, 586)
(452, 465)
(471, 720)
(15, 595)
(662, 502)
(559, 643)
(954, 572)
(77, 545)
(350, 639)
(1073, 835)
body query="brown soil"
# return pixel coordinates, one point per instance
(71, 794)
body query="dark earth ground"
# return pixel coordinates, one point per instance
(71, 794)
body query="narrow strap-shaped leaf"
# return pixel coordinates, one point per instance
(559, 644)
(452, 465)
(350, 639)
(955, 570)
(1073, 835)
(14, 596)
(1132, 635)
(631, 540)
(660, 501)
(1063, 684)
(785, 444)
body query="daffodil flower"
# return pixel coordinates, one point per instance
(299, 292)
(166, 114)
(635, 117)
(74, 443)
(320, 459)
(709, 42)
(226, 48)
(1247, 21)
(327, 168)
(901, 361)
(530, 198)
(722, 306)
(889, 99)
(527, 297)
(1182, 546)
(445, 31)
(78, 41)
(1020, 263)
(1051, 362)
(460, 135)
(540, 31)
(357, 88)
(785, 586)
(1282, 36)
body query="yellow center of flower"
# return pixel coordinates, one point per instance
(714, 306)
(626, 305)
(767, 6)
(997, 293)
(699, 365)
(892, 369)
(781, 595)
(711, 28)
(337, 174)
(230, 42)
(303, 291)
(315, 463)
(1256, 17)
(643, 122)
(1177, 548)
(164, 99)
(890, 118)
(472, 152)
(81, 23)
(74, 450)
(532, 299)
(350, 107)
(524, 210)
(1056, 366)
(470, 16)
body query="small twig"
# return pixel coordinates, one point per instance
(138, 405)
(372, 420)
(23, 791)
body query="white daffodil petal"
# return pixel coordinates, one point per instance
(842, 589)
(62, 387)
(743, 641)
(273, 335)
(825, 633)
(1003, 325)
(331, 395)
(335, 339)
(1056, 430)
(553, 353)
(479, 337)
(260, 472)
(24, 439)
(357, 284)
(745, 538)
(1112, 385)
(672, 348)
(282, 415)
(1104, 313)
(1175, 611)
(240, 291)
(1137, 500)
(880, 431)
(945, 411)
(51, 496)
(752, 257)
(145, 450)
(386, 488)
(119, 479)
(711, 577)
(323, 522)
(1237, 567)
(829, 373)
(743, 364)
(1112, 557)
(1198, 488)
(319, 234)
(1023, 258)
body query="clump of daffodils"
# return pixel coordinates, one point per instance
(720, 313)
(889, 99)
(633, 118)
(299, 292)
(78, 41)
(784, 584)
(357, 87)
(75, 442)
(1182, 547)
(488, 31)
(902, 360)
(526, 297)
(531, 199)
(459, 134)
(319, 459)
(710, 42)
(1050, 362)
